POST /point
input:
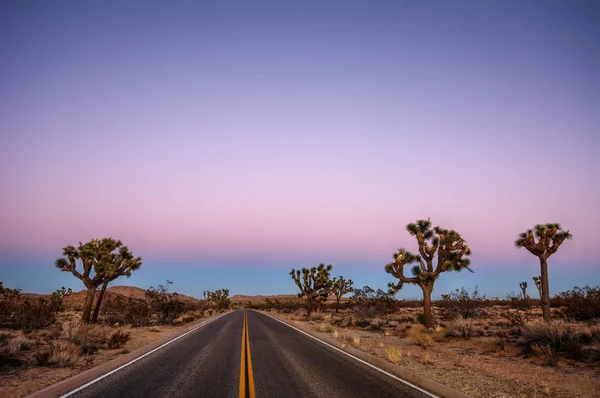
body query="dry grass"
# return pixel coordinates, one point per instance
(64, 354)
(19, 343)
(394, 354)
(545, 352)
(556, 334)
(460, 327)
(356, 341)
(325, 328)
(91, 336)
(119, 338)
(335, 334)
(420, 337)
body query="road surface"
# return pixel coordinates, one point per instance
(247, 354)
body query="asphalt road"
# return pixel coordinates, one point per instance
(281, 362)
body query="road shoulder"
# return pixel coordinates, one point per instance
(406, 375)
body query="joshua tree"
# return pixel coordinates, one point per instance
(104, 260)
(341, 287)
(451, 251)
(549, 238)
(314, 285)
(219, 297)
(523, 286)
(538, 284)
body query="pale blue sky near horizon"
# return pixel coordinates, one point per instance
(226, 142)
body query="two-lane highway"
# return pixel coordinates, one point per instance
(247, 354)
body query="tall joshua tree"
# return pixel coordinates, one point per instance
(523, 286)
(451, 251)
(538, 284)
(549, 238)
(315, 285)
(103, 261)
(341, 287)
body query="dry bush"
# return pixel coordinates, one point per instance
(23, 313)
(19, 343)
(324, 327)
(126, 311)
(426, 359)
(42, 357)
(420, 337)
(315, 316)
(460, 327)
(356, 341)
(545, 352)
(394, 354)
(557, 335)
(118, 339)
(335, 334)
(579, 304)
(494, 344)
(89, 337)
(462, 302)
(64, 354)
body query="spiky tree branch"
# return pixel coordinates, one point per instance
(451, 250)
(315, 285)
(102, 261)
(549, 238)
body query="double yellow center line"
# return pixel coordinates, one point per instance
(246, 375)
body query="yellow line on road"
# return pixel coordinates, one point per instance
(250, 374)
(243, 362)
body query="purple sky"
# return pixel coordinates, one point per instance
(226, 142)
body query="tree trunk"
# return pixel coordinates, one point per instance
(337, 304)
(99, 302)
(87, 307)
(545, 289)
(524, 294)
(427, 317)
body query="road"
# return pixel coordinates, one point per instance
(247, 354)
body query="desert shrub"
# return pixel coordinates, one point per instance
(545, 352)
(20, 343)
(462, 302)
(42, 357)
(18, 312)
(420, 337)
(118, 339)
(368, 303)
(394, 354)
(57, 298)
(580, 304)
(8, 356)
(460, 327)
(557, 335)
(64, 354)
(517, 301)
(167, 305)
(89, 337)
(122, 311)
(325, 328)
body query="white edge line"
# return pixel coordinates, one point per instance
(138, 358)
(352, 356)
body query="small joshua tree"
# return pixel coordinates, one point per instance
(451, 251)
(341, 287)
(103, 261)
(523, 286)
(219, 297)
(549, 238)
(315, 285)
(538, 284)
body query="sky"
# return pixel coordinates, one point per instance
(227, 142)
